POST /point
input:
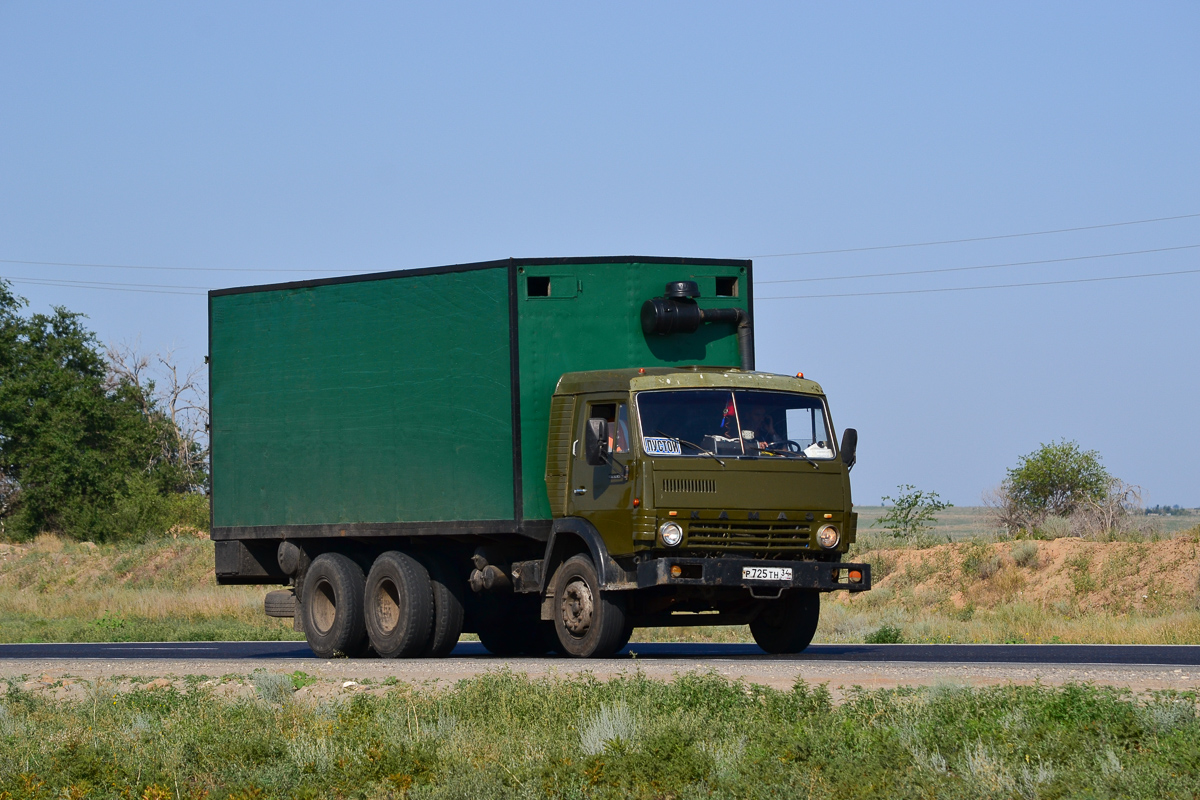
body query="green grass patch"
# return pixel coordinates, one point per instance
(15, 627)
(504, 735)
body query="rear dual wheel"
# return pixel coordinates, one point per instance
(449, 592)
(332, 607)
(402, 608)
(399, 605)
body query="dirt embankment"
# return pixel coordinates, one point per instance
(53, 564)
(1065, 575)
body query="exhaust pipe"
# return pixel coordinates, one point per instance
(677, 312)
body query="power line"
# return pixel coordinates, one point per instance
(982, 266)
(168, 269)
(975, 238)
(815, 252)
(141, 288)
(977, 288)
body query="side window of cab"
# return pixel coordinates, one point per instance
(616, 414)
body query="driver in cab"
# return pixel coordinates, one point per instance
(758, 428)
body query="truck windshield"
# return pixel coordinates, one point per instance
(753, 424)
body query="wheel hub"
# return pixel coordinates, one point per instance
(387, 606)
(324, 607)
(577, 607)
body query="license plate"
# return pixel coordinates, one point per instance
(766, 573)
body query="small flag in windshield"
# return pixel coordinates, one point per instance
(729, 414)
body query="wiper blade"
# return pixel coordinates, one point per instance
(701, 450)
(799, 453)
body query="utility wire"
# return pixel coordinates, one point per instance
(142, 288)
(768, 255)
(129, 287)
(169, 269)
(975, 238)
(982, 266)
(977, 288)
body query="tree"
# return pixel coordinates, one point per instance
(1057, 479)
(76, 444)
(175, 401)
(912, 512)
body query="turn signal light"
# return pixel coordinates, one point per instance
(855, 576)
(676, 571)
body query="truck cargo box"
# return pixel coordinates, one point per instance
(416, 402)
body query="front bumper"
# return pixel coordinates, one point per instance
(822, 576)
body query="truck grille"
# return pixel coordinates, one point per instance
(689, 485)
(761, 537)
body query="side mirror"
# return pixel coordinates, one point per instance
(849, 448)
(595, 442)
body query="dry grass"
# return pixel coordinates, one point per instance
(54, 589)
(1064, 590)
(970, 522)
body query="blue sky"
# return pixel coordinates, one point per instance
(309, 139)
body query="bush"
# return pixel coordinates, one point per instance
(885, 634)
(1057, 478)
(1025, 554)
(980, 562)
(912, 512)
(1054, 528)
(272, 686)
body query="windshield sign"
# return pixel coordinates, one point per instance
(661, 446)
(752, 424)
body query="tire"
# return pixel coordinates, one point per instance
(280, 603)
(448, 607)
(626, 635)
(332, 607)
(399, 606)
(590, 623)
(787, 625)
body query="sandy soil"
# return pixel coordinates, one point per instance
(80, 679)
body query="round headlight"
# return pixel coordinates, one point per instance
(671, 534)
(828, 537)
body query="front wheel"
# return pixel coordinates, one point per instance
(787, 625)
(589, 623)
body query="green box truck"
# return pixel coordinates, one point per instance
(546, 452)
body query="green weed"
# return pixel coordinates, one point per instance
(1079, 570)
(507, 735)
(885, 634)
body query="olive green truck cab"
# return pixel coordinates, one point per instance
(548, 453)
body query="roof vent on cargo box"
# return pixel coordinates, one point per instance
(681, 290)
(677, 312)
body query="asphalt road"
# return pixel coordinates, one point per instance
(1041, 654)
